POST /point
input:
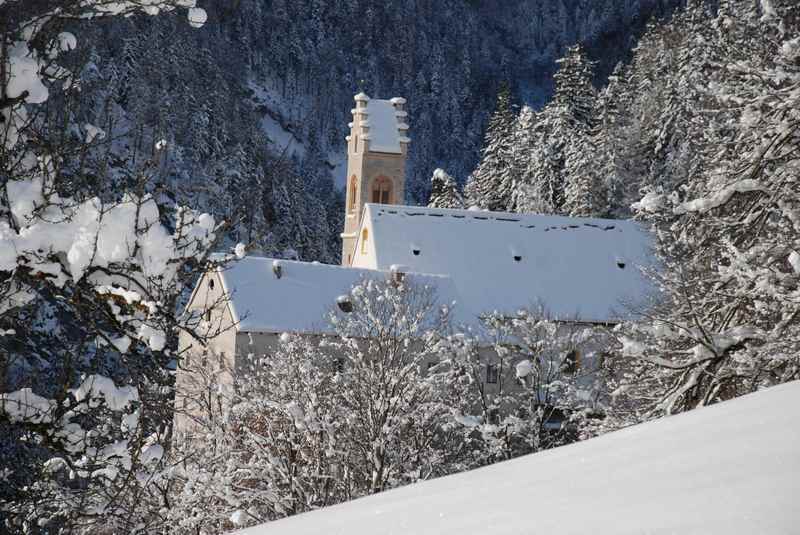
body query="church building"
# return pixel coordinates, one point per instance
(579, 270)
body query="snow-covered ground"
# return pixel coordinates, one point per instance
(733, 468)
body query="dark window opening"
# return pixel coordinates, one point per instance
(517, 258)
(494, 416)
(620, 264)
(492, 373)
(344, 304)
(571, 362)
(415, 252)
(211, 283)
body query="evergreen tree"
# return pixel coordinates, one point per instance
(444, 192)
(558, 154)
(584, 193)
(491, 185)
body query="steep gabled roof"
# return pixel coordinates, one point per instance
(300, 299)
(577, 268)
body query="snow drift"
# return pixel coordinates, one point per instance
(731, 468)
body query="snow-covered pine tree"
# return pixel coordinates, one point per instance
(574, 91)
(609, 165)
(584, 193)
(527, 140)
(562, 129)
(491, 185)
(444, 191)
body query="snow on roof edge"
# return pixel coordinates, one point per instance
(560, 255)
(295, 284)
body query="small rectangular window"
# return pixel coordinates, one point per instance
(491, 373)
(572, 362)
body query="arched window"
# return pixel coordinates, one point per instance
(364, 237)
(382, 190)
(353, 185)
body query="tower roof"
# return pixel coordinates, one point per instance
(382, 123)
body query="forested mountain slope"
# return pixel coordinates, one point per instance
(287, 70)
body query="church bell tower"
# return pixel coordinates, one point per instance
(376, 162)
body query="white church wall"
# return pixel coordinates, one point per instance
(215, 357)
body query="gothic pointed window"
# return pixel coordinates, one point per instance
(382, 191)
(353, 184)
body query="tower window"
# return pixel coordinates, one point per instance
(382, 191)
(364, 237)
(353, 185)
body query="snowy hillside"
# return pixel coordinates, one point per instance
(730, 469)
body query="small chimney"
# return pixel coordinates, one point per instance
(398, 274)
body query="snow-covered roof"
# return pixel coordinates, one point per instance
(299, 300)
(577, 268)
(386, 123)
(699, 472)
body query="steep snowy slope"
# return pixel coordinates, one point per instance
(728, 469)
